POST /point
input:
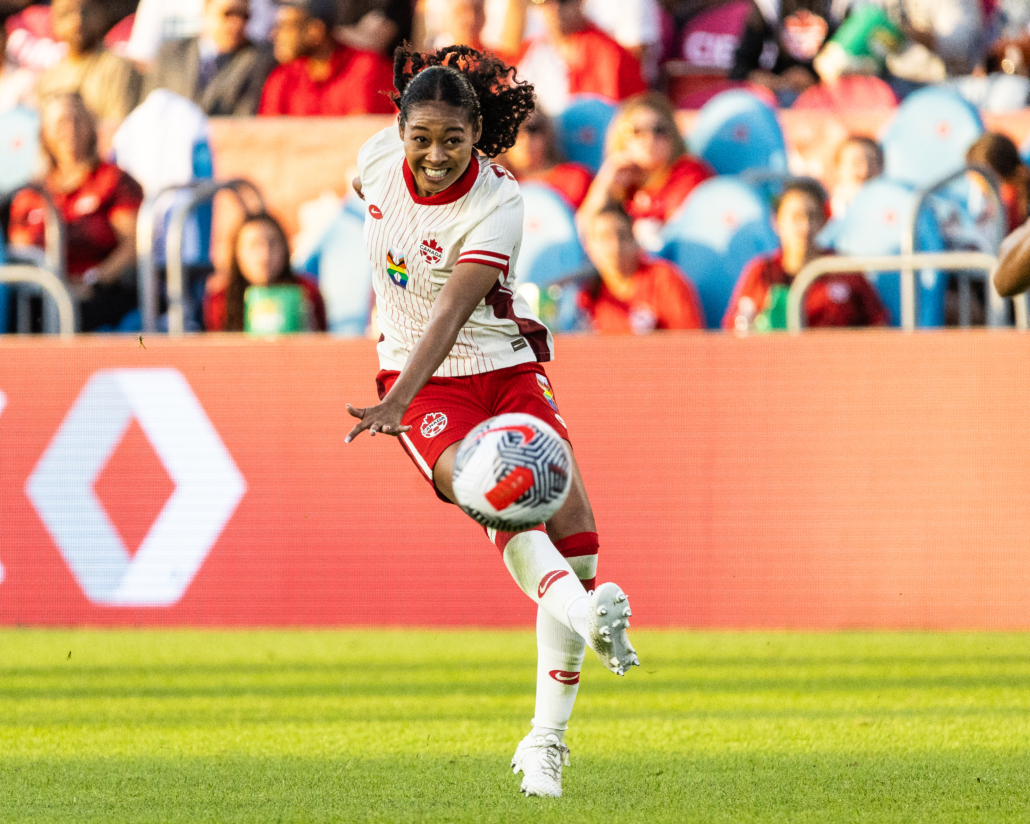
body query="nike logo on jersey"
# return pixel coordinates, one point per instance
(565, 677)
(375, 211)
(548, 579)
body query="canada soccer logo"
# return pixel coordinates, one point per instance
(431, 251)
(433, 424)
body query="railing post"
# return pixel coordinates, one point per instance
(67, 311)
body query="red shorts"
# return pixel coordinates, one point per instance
(447, 409)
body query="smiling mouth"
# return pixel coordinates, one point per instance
(435, 174)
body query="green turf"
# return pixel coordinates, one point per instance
(400, 726)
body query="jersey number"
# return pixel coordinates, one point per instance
(500, 171)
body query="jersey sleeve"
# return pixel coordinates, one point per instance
(494, 240)
(380, 149)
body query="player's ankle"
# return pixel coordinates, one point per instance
(577, 614)
(543, 732)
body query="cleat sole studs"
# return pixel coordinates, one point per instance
(602, 610)
(626, 612)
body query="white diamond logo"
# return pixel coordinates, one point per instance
(208, 487)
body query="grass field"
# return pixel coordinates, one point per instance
(399, 726)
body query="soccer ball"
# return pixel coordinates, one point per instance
(512, 472)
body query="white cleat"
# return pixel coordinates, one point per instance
(608, 620)
(540, 758)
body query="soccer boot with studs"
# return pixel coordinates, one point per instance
(608, 621)
(540, 758)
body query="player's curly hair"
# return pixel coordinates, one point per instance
(479, 83)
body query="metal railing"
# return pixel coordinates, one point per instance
(51, 284)
(945, 261)
(995, 303)
(178, 297)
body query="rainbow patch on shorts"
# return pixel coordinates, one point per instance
(545, 387)
(396, 268)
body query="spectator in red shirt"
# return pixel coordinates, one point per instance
(646, 168)
(261, 257)
(633, 292)
(759, 300)
(573, 57)
(98, 202)
(536, 156)
(319, 75)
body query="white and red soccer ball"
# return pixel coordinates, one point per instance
(512, 472)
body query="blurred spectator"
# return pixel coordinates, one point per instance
(536, 156)
(759, 300)
(160, 20)
(633, 292)
(946, 37)
(16, 84)
(636, 25)
(858, 159)
(260, 257)
(572, 56)
(375, 25)
(462, 24)
(998, 152)
(98, 202)
(319, 75)
(108, 84)
(777, 50)
(646, 169)
(221, 71)
(708, 33)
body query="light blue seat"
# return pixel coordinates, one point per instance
(720, 227)
(873, 226)
(929, 136)
(735, 132)
(19, 148)
(550, 246)
(582, 127)
(344, 272)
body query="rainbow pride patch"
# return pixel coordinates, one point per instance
(396, 268)
(545, 387)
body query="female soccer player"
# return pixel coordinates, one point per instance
(443, 230)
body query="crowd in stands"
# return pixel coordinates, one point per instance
(85, 65)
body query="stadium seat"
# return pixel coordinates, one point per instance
(582, 127)
(19, 148)
(550, 244)
(928, 138)
(721, 226)
(344, 271)
(874, 224)
(849, 93)
(735, 131)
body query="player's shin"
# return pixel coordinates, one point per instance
(560, 654)
(545, 576)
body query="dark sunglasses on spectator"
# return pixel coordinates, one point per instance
(242, 15)
(533, 128)
(658, 130)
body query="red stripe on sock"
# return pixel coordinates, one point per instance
(501, 541)
(582, 543)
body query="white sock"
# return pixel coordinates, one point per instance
(545, 576)
(559, 661)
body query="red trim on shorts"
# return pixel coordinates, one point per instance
(503, 303)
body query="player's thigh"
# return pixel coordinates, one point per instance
(443, 471)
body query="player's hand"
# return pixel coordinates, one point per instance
(381, 418)
(356, 183)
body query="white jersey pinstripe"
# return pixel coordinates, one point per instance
(414, 244)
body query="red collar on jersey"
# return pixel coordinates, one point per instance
(458, 189)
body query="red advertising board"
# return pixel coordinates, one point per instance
(829, 480)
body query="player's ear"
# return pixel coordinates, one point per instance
(478, 131)
(400, 128)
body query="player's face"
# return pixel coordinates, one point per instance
(438, 140)
(259, 253)
(798, 221)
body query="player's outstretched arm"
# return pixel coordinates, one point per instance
(468, 284)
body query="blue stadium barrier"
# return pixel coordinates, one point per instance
(550, 245)
(344, 272)
(582, 127)
(735, 132)
(874, 224)
(19, 148)
(929, 136)
(720, 227)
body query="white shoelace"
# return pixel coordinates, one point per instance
(553, 756)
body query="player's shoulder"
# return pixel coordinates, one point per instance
(384, 145)
(496, 186)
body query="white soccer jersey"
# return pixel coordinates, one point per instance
(415, 243)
